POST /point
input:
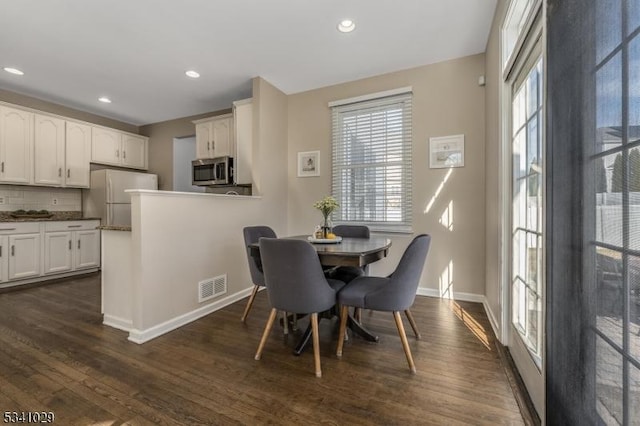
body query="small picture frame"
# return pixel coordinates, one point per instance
(446, 152)
(309, 164)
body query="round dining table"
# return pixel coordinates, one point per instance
(346, 252)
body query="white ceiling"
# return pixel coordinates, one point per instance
(136, 51)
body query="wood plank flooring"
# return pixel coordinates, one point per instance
(55, 355)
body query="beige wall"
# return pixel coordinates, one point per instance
(29, 102)
(447, 100)
(270, 174)
(161, 137)
(492, 165)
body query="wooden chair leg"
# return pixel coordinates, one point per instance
(357, 314)
(344, 314)
(405, 342)
(285, 322)
(413, 324)
(265, 334)
(316, 343)
(250, 303)
(295, 322)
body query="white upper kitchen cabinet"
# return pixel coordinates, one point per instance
(242, 162)
(134, 151)
(77, 155)
(118, 149)
(105, 146)
(49, 150)
(214, 136)
(16, 144)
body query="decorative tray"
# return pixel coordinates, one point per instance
(314, 240)
(31, 216)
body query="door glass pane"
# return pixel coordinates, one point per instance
(610, 296)
(634, 86)
(609, 104)
(526, 215)
(609, 13)
(634, 395)
(634, 307)
(608, 204)
(608, 383)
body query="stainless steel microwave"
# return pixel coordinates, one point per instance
(212, 171)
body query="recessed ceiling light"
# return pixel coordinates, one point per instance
(104, 99)
(346, 26)
(192, 74)
(15, 71)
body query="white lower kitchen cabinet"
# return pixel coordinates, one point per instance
(71, 246)
(24, 256)
(38, 251)
(58, 252)
(4, 258)
(19, 251)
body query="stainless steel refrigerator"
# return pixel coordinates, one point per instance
(107, 200)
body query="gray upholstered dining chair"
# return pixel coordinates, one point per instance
(296, 283)
(394, 293)
(348, 273)
(252, 234)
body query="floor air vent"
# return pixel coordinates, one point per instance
(212, 287)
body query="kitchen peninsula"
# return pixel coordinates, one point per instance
(182, 258)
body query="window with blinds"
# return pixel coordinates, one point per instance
(371, 165)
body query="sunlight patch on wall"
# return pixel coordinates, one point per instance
(446, 219)
(438, 191)
(446, 281)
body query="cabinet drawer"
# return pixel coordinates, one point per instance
(7, 228)
(71, 225)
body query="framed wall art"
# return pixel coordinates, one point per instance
(446, 151)
(309, 164)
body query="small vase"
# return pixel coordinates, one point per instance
(326, 228)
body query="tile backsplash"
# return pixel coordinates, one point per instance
(15, 197)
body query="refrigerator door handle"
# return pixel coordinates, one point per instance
(109, 214)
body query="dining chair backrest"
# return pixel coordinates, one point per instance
(252, 234)
(400, 294)
(293, 276)
(352, 231)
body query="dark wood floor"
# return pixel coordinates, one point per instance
(55, 355)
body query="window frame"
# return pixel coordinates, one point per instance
(365, 103)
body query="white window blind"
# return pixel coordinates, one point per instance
(371, 165)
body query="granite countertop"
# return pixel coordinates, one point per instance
(114, 228)
(57, 216)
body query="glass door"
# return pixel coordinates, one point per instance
(527, 225)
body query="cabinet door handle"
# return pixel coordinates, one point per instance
(13, 250)
(0, 251)
(2, 167)
(69, 244)
(124, 154)
(213, 145)
(7, 229)
(117, 153)
(208, 149)
(59, 171)
(68, 173)
(78, 244)
(74, 226)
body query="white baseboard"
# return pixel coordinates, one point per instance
(492, 320)
(117, 322)
(466, 297)
(142, 336)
